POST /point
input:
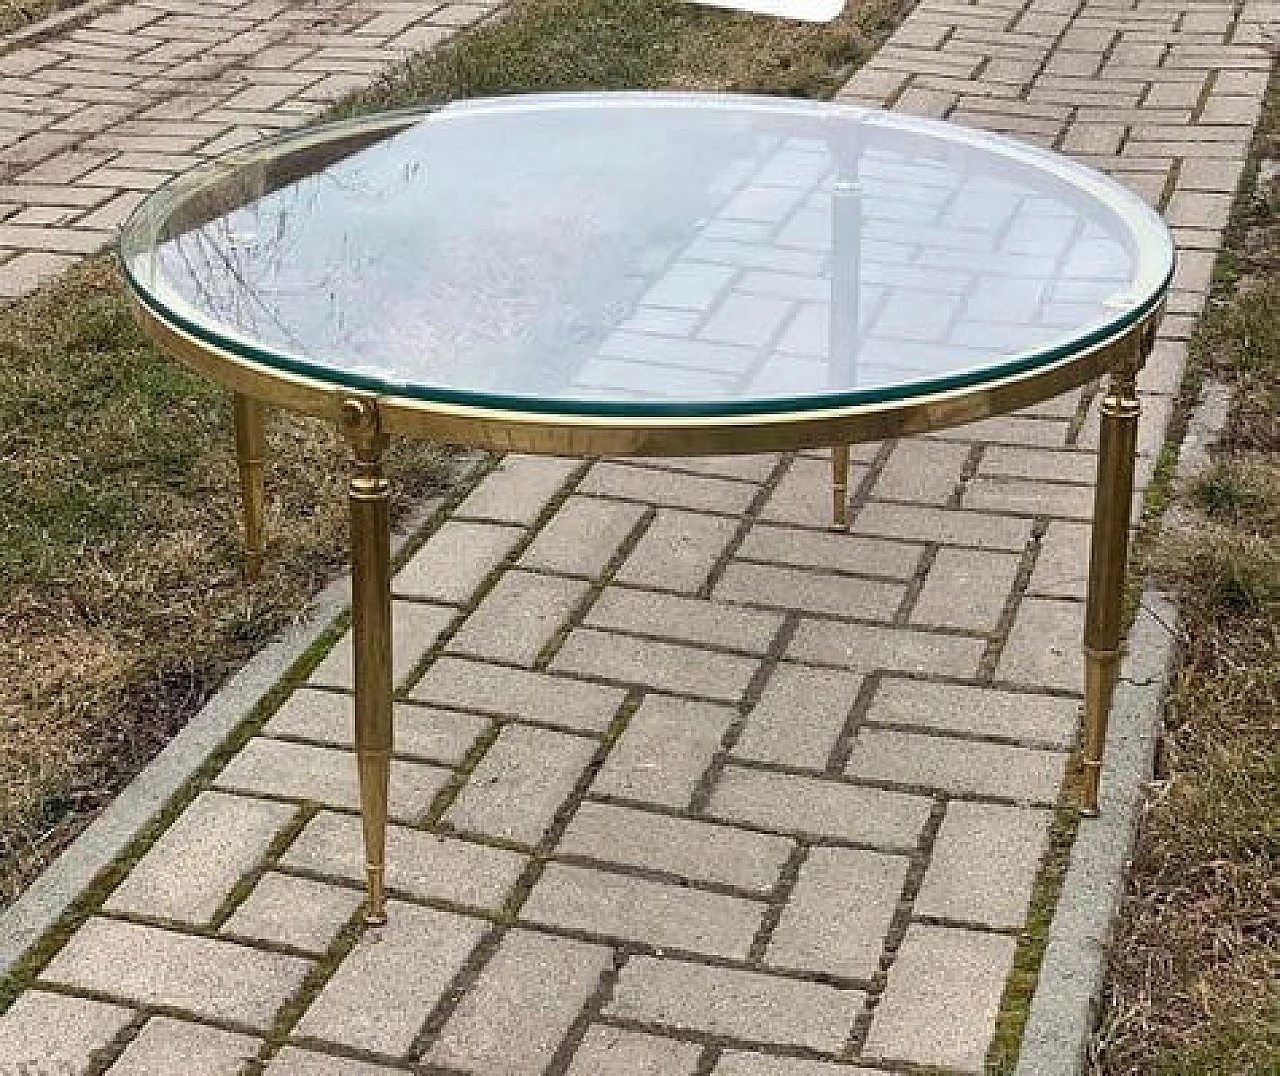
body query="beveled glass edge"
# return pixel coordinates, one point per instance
(1146, 227)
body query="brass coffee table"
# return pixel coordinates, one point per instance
(649, 274)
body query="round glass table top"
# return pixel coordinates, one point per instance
(647, 254)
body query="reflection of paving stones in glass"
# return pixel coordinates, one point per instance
(946, 260)
(673, 839)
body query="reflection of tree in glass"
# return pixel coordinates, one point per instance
(509, 270)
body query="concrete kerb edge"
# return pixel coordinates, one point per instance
(1064, 1007)
(48, 898)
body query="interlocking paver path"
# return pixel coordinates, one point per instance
(687, 783)
(94, 118)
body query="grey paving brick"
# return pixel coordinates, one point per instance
(839, 912)
(984, 863)
(669, 488)
(204, 976)
(683, 847)
(1025, 497)
(610, 1051)
(521, 614)
(582, 537)
(1011, 430)
(1200, 209)
(958, 766)
(754, 468)
(837, 552)
(520, 783)
(415, 627)
(667, 745)
(799, 716)
(748, 320)
(1062, 566)
(677, 551)
(689, 286)
(328, 717)
(636, 909)
(1033, 463)
(808, 591)
(940, 1005)
(923, 471)
(511, 1022)
(386, 986)
(51, 1030)
(741, 1063)
(292, 1061)
(420, 864)
(948, 526)
(745, 1005)
(293, 911)
(166, 1046)
(687, 620)
(867, 648)
(817, 807)
(1166, 363)
(191, 869)
(29, 270)
(1044, 719)
(803, 495)
(966, 588)
(454, 561)
(325, 775)
(513, 692)
(518, 490)
(658, 665)
(1044, 647)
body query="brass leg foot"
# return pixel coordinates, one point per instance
(840, 486)
(375, 771)
(1108, 559)
(249, 453)
(369, 498)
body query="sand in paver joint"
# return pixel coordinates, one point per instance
(721, 887)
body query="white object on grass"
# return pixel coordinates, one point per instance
(805, 10)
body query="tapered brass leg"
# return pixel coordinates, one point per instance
(249, 453)
(1107, 562)
(371, 627)
(840, 486)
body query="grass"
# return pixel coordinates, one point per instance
(118, 510)
(1194, 985)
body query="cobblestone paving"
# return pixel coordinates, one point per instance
(686, 781)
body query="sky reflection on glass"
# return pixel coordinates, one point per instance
(655, 252)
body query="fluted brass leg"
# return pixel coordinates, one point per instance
(249, 453)
(1108, 557)
(840, 486)
(371, 628)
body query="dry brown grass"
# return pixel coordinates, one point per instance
(1195, 977)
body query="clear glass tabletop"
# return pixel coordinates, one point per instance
(647, 254)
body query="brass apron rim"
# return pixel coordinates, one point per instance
(512, 429)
